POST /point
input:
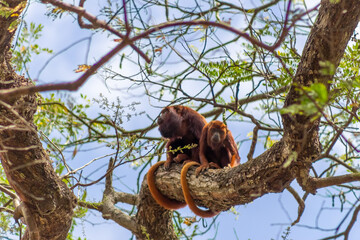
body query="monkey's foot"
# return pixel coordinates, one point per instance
(201, 168)
(214, 165)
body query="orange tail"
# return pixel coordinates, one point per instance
(163, 201)
(186, 191)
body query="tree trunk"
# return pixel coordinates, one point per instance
(46, 202)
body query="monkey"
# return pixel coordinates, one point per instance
(218, 150)
(217, 147)
(182, 127)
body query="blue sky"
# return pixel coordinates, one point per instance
(255, 220)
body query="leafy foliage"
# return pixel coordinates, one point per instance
(26, 46)
(227, 73)
(313, 100)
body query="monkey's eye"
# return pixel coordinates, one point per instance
(212, 131)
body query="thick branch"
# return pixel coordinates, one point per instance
(109, 210)
(219, 189)
(326, 44)
(149, 212)
(126, 198)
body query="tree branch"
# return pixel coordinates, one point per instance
(332, 181)
(109, 210)
(95, 23)
(126, 198)
(72, 86)
(300, 202)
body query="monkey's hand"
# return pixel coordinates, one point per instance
(181, 157)
(203, 167)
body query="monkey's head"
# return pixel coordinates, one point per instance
(171, 122)
(216, 134)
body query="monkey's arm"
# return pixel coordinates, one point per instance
(203, 145)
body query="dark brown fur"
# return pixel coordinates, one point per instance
(182, 127)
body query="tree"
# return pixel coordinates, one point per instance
(304, 107)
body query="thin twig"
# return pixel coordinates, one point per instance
(300, 202)
(253, 143)
(85, 165)
(59, 150)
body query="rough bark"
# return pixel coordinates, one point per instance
(288, 159)
(152, 219)
(47, 203)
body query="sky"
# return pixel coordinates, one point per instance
(265, 218)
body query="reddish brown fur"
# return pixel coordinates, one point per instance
(217, 149)
(182, 126)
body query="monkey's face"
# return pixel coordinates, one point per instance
(171, 123)
(216, 134)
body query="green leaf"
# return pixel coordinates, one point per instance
(321, 91)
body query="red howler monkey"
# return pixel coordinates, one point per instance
(182, 126)
(217, 149)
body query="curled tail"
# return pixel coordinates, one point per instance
(163, 201)
(188, 198)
